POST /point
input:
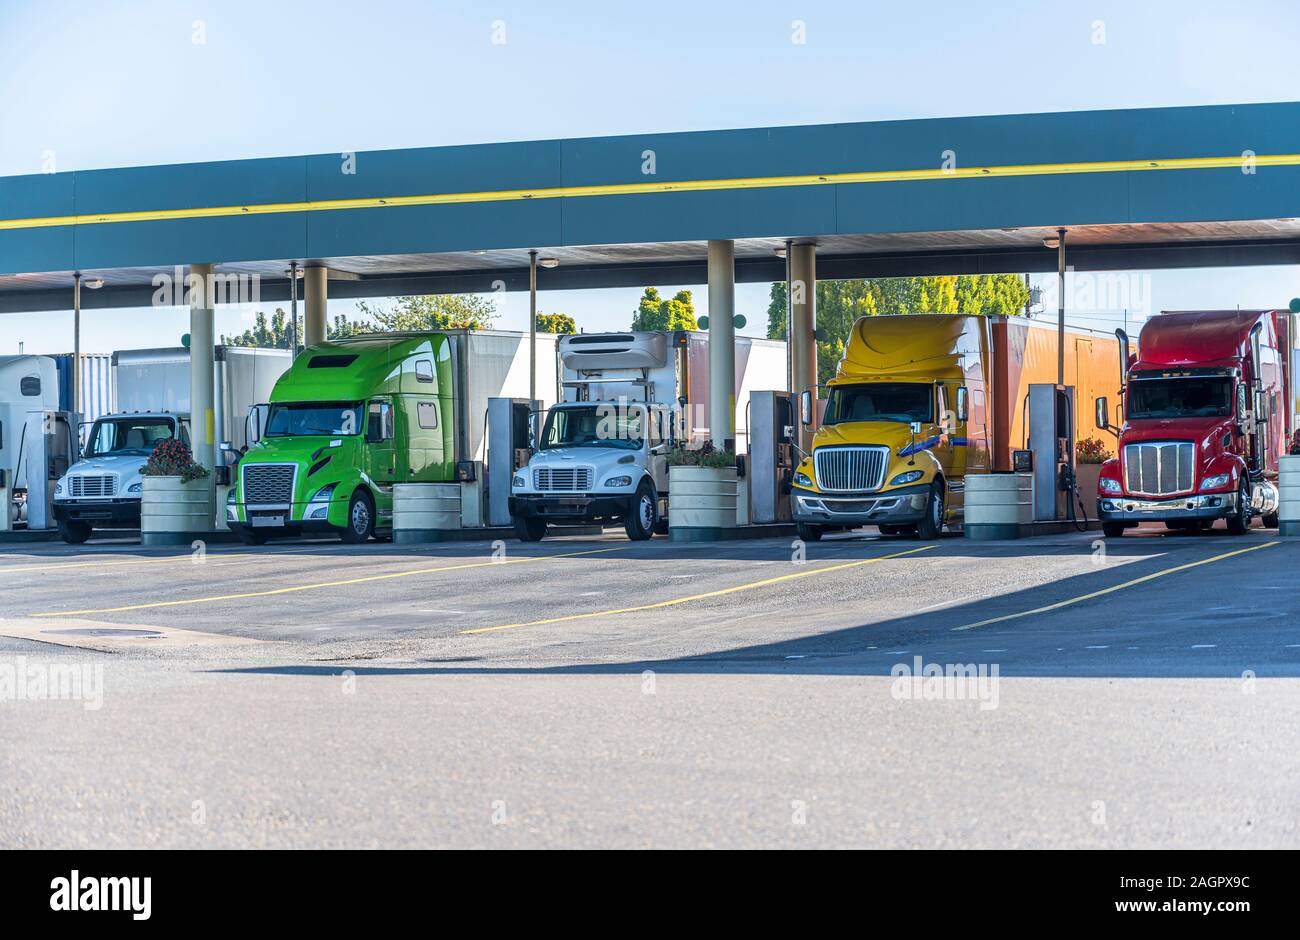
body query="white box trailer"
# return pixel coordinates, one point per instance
(158, 381)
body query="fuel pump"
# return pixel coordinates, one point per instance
(508, 449)
(49, 445)
(1051, 439)
(772, 427)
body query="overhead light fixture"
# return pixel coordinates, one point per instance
(1052, 241)
(295, 273)
(780, 252)
(95, 283)
(548, 262)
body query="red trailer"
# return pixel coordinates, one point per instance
(1205, 413)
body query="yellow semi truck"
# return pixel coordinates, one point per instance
(920, 401)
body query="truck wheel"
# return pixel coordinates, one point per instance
(930, 527)
(253, 536)
(74, 533)
(1272, 521)
(361, 519)
(529, 529)
(1113, 530)
(640, 521)
(809, 533)
(1239, 521)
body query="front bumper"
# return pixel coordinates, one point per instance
(102, 514)
(584, 506)
(905, 505)
(1142, 509)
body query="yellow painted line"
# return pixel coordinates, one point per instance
(1111, 590)
(649, 187)
(321, 584)
(699, 597)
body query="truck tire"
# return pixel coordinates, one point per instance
(1239, 521)
(930, 526)
(642, 514)
(1272, 521)
(74, 533)
(809, 533)
(529, 529)
(361, 519)
(1113, 530)
(253, 536)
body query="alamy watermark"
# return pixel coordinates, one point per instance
(921, 681)
(23, 681)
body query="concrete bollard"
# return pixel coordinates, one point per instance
(422, 511)
(173, 512)
(998, 504)
(702, 501)
(1288, 485)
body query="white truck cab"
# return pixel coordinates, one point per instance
(600, 455)
(102, 490)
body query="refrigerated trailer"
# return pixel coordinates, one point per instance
(920, 402)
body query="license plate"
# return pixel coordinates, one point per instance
(258, 521)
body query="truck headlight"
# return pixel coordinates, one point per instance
(803, 479)
(58, 488)
(1217, 481)
(909, 476)
(135, 487)
(1109, 485)
(322, 495)
(230, 497)
(517, 481)
(619, 481)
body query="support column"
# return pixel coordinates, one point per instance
(803, 326)
(76, 344)
(722, 344)
(316, 287)
(202, 376)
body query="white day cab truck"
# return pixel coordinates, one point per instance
(103, 489)
(600, 454)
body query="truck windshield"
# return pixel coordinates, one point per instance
(128, 436)
(597, 426)
(334, 419)
(880, 401)
(1198, 397)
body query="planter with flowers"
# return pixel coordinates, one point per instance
(176, 503)
(703, 488)
(1089, 455)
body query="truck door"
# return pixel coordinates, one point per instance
(657, 434)
(380, 462)
(951, 407)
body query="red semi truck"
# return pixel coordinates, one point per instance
(1205, 412)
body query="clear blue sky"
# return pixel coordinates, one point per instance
(93, 84)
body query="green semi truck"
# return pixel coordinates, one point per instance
(352, 418)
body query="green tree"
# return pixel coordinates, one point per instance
(556, 323)
(272, 334)
(841, 303)
(655, 313)
(419, 314)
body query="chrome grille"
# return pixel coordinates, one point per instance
(1160, 469)
(268, 483)
(562, 479)
(90, 486)
(850, 469)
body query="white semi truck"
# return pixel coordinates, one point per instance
(102, 490)
(600, 454)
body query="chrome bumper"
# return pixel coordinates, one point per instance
(1133, 509)
(902, 506)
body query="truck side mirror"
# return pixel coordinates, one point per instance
(1242, 403)
(1103, 414)
(805, 407)
(963, 404)
(915, 428)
